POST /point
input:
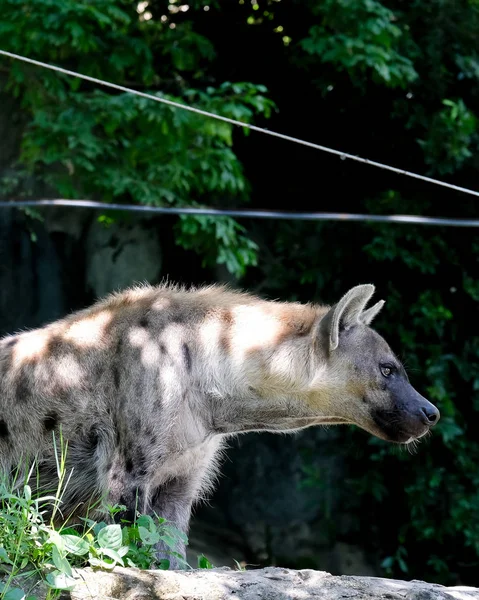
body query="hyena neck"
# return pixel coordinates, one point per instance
(266, 371)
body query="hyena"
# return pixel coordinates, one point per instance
(147, 384)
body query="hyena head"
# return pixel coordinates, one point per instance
(373, 388)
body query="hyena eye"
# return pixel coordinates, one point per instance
(386, 370)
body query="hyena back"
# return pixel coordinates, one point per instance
(147, 384)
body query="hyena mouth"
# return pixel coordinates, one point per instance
(394, 427)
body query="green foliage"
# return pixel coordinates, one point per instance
(452, 138)
(361, 37)
(32, 548)
(84, 142)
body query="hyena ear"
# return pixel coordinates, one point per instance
(368, 315)
(346, 313)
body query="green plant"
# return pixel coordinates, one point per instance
(33, 550)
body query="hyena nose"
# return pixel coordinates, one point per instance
(431, 414)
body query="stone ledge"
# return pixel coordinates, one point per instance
(262, 584)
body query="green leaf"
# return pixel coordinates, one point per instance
(75, 545)
(113, 554)
(148, 537)
(59, 581)
(60, 562)
(110, 537)
(147, 522)
(102, 564)
(4, 557)
(14, 594)
(204, 563)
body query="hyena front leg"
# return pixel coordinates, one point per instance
(173, 501)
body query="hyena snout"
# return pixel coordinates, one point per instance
(410, 417)
(429, 414)
(421, 410)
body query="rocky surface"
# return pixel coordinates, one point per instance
(261, 584)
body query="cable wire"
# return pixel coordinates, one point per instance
(250, 214)
(343, 155)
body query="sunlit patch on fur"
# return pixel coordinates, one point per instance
(89, 332)
(29, 347)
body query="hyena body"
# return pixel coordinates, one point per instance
(147, 384)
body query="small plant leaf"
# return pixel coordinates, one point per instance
(113, 554)
(102, 564)
(75, 545)
(14, 594)
(169, 541)
(60, 581)
(147, 522)
(148, 537)
(110, 537)
(4, 557)
(27, 493)
(204, 563)
(60, 562)
(172, 531)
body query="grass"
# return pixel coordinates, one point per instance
(33, 550)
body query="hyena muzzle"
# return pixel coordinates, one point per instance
(146, 385)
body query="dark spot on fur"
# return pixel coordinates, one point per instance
(129, 465)
(3, 429)
(301, 328)
(114, 475)
(119, 348)
(219, 429)
(153, 439)
(163, 349)
(116, 375)
(141, 463)
(50, 421)
(93, 438)
(179, 319)
(143, 322)
(187, 356)
(225, 343)
(98, 371)
(55, 345)
(156, 495)
(125, 448)
(22, 392)
(227, 316)
(118, 438)
(365, 400)
(11, 343)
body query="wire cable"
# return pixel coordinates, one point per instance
(343, 155)
(249, 214)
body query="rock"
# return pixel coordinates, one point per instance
(121, 254)
(31, 290)
(262, 584)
